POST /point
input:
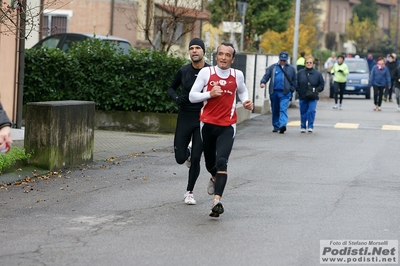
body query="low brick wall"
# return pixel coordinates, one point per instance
(146, 122)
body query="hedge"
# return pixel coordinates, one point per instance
(94, 71)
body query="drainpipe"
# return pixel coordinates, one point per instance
(112, 18)
(21, 63)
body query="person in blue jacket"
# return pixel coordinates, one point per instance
(306, 76)
(380, 79)
(283, 83)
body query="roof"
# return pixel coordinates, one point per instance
(185, 12)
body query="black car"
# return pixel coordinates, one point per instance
(64, 41)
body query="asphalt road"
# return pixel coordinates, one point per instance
(285, 193)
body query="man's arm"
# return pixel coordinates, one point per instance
(196, 94)
(243, 93)
(266, 77)
(5, 127)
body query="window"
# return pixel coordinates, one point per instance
(336, 15)
(55, 21)
(381, 20)
(344, 19)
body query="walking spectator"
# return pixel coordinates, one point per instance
(329, 63)
(397, 87)
(283, 83)
(371, 61)
(391, 64)
(187, 140)
(218, 117)
(301, 61)
(305, 77)
(380, 79)
(5, 128)
(340, 70)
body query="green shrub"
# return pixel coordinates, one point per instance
(94, 71)
(10, 158)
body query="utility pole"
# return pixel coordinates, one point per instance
(296, 34)
(242, 6)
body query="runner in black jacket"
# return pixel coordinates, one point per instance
(188, 123)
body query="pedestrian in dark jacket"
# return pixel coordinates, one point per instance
(380, 79)
(371, 61)
(5, 127)
(397, 87)
(308, 106)
(283, 83)
(391, 64)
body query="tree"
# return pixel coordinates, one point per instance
(166, 22)
(11, 15)
(275, 42)
(361, 33)
(366, 9)
(261, 16)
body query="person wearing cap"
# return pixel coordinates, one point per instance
(187, 140)
(217, 88)
(340, 70)
(5, 127)
(283, 83)
(379, 80)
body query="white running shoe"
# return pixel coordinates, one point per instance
(303, 130)
(335, 106)
(211, 187)
(310, 130)
(216, 208)
(189, 199)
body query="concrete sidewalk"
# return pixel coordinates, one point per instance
(114, 143)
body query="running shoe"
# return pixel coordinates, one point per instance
(303, 130)
(216, 208)
(189, 199)
(335, 106)
(211, 187)
(310, 130)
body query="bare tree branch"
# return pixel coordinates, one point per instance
(10, 15)
(165, 23)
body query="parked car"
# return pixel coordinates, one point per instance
(64, 41)
(357, 80)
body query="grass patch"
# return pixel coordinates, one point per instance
(10, 158)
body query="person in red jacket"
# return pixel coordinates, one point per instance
(216, 87)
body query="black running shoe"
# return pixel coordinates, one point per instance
(282, 130)
(216, 208)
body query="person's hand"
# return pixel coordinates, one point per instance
(216, 91)
(248, 105)
(5, 135)
(341, 71)
(181, 99)
(262, 85)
